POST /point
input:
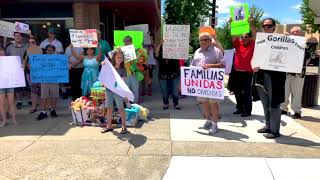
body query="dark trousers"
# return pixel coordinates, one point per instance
(170, 86)
(242, 90)
(75, 75)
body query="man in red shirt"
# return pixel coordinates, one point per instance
(244, 47)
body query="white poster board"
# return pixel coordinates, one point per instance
(129, 53)
(141, 27)
(195, 81)
(84, 38)
(279, 52)
(228, 58)
(11, 73)
(110, 78)
(21, 27)
(176, 41)
(6, 29)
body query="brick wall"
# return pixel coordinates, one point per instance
(86, 15)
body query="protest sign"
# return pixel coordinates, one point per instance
(279, 52)
(176, 41)
(195, 81)
(21, 27)
(141, 27)
(240, 15)
(228, 58)
(11, 73)
(84, 38)
(49, 68)
(110, 78)
(137, 38)
(129, 53)
(6, 29)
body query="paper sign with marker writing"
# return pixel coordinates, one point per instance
(110, 78)
(129, 53)
(209, 83)
(49, 68)
(240, 15)
(279, 52)
(137, 38)
(228, 58)
(11, 73)
(21, 27)
(176, 41)
(84, 38)
(6, 29)
(141, 27)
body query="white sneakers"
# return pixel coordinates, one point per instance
(214, 128)
(207, 124)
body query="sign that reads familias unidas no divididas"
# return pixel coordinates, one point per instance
(196, 81)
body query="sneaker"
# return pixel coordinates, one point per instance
(42, 116)
(283, 112)
(296, 116)
(237, 112)
(207, 124)
(271, 135)
(214, 128)
(177, 107)
(245, 114)
(53, 114)
(19, 105)
(166, 106)
(264, 130)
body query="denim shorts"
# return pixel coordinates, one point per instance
(6, 91)
(113, 97)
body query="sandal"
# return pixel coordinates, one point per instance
(123, 131)
(105, 130)
(32, 111)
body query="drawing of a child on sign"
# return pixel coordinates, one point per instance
(239, 13)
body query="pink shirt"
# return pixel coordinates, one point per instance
(210, 56)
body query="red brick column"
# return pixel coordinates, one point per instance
(86, 15)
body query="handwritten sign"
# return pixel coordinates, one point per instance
(141, 27)
(240, 15)
(176, 41)
(129, 53)
(137, 38)
(84, 38)
(6, 29)
(110, 78)
(11, 73)
(228, 58)
(49, 68)
(195, 81)
(21, 27)
(279, 52)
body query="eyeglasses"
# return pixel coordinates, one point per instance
(267, 26)
(244, 37)
(205, 40)
(32, 42)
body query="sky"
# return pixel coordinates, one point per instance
(286, 11)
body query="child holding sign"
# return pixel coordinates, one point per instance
(118, 63)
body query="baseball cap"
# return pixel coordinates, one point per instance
(51, 30)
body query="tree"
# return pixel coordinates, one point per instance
(189, 12)
(308, 18)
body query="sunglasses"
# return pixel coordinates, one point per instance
(267, 26)
(205, 40)
(244, 37)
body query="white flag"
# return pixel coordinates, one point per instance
(110, 78)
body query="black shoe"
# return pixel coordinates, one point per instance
(264, 130)
(53, 114)
(271, 135)
(296, 116)
(245, 114)
(284, 112)
(166, 106)
(42, 116)
(237, 112)
(30, 102)
(19, 105)
(177, 107)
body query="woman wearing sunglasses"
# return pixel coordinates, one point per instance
(35, 88)
(270, 86)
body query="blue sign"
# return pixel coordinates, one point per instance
(49, 68)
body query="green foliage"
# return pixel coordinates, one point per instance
(224, 36)
(308, 18)
(257, 14)
(187, 12)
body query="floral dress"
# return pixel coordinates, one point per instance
(90, 75)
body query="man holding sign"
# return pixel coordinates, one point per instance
(208, 56)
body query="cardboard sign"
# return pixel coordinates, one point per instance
(21, 27)
(176, 41)
(49, 68)
(228, 58)
(110, 78)
(11, 73)
(84, 38)
(240, 15)
(279, 52)
(141, 27)
(137, 38)
(195, 81)
(129, 53)
(6, 29)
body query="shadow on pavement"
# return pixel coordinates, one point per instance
(136, 140)
(227, 135)
(310, 119)
(289, 140)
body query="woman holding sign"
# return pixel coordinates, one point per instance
(209, 56)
